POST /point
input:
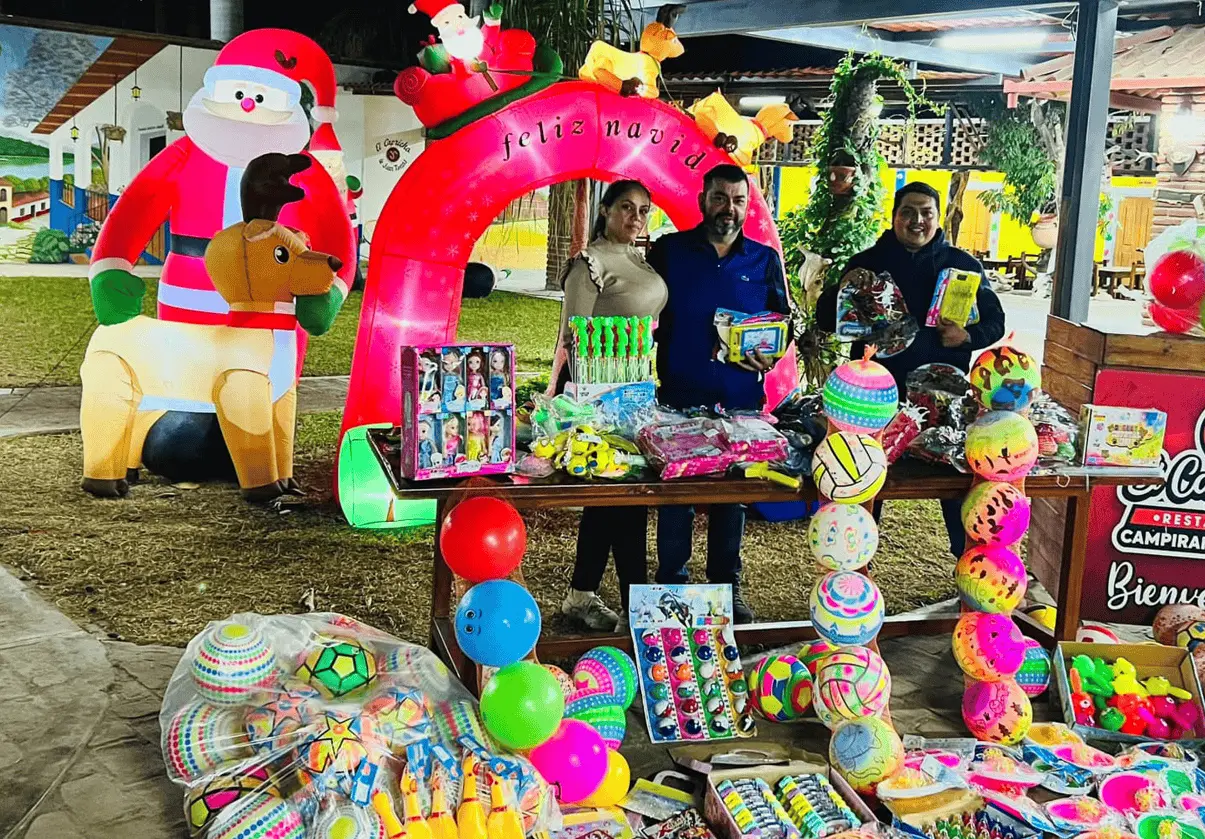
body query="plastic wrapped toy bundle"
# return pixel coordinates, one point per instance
(682, 446)
(295, 726)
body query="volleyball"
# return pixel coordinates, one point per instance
(849, 468)
(850, 684)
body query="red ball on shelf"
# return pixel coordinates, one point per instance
(483, 539)
(1178, 321)
(1178, 280)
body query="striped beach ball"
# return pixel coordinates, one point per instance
(861, 396)
(851, 684)
(849, 468)
(200, 738)
(234, 665)
(601, 711)
(265, 817)
(609, 669)
(847, 608)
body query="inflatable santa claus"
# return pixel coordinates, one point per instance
(250, 106)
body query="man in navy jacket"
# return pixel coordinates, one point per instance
(914, 252)
(711, 267)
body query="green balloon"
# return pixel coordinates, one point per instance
(522, 705)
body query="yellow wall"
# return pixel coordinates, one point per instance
(795, 184)
(515, 245)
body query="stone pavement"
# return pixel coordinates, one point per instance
(79, 736)
(55, 410)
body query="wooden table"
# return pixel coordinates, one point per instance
(906, 480)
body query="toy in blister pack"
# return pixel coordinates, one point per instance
(742, 334)
(954, 299)
(690, 670)
(308, 725)
(871, 309)
(501, 378)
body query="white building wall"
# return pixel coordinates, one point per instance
(388, 124)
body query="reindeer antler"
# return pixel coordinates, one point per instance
(265, 187)
(667, 15)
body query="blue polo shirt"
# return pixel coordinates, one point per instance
(749, 279)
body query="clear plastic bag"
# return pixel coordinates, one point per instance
(318, 726)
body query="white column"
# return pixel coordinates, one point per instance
(56, 157)
(225, 19)
(83, 156)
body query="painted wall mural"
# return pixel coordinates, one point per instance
(37, 67)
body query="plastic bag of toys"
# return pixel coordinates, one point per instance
(801, 420)
(943, 446)
(1058, 434)
(871, 309)
(584, 452)
(299, 726)
(944, 393)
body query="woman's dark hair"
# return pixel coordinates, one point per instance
(612, 194)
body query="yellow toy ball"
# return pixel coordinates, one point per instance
(544, 448)
(576, 465)
(1045, 615)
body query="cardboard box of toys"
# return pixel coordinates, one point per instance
(731, 774)
(458, 411)
(1149, 661)
(1114, 436)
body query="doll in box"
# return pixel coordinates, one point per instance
(452, 440)
(475, 441)
(499, 378)
(453, 390)
(499, 439)
(428, 389)
(477, 393)
(427, 450)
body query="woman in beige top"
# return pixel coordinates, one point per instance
(609, 279)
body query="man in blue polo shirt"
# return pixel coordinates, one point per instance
(712, 267)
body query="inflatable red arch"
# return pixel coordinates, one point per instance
(453, 191)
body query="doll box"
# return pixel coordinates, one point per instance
(1173, 663)
(1115, 436)
(458, 415)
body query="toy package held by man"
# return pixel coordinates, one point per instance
(871, 309)
(1114, 436)
(458, 413)
(954, 299)
(741, 334)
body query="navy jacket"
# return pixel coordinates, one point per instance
(749, 279)
(916, 276)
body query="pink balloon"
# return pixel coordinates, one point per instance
(573, 761)
(448, 197)
(1178, 321)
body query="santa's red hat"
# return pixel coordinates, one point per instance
(432, 7)
(280, 59)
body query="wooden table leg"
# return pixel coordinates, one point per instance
(1071, 578)
(441, 601)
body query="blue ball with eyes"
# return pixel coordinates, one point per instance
(497, 623)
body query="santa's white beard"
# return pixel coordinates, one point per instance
(466, 46)
(333, 163)
(238, 143)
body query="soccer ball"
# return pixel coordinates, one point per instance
(849, 468)
(338, 667)
(203, 804)
(1191, 636)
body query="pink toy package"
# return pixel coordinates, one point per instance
(685, 449)
(751, 439)
(458, 412)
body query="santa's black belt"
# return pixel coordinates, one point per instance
(189, 245)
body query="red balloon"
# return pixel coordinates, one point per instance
(483, 539)
(1178, 280)
(1173, 320)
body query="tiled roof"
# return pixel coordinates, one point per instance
(800, 73)
(945, 24)
(1179, 54)
(20, 199)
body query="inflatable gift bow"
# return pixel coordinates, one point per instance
(245, 369)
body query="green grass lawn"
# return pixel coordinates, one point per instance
(47, 321)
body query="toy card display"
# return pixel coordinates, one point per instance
(871, 309)
(690, 670)
(1112, 436)
(741, 334)
(458, 414)
(955, 298)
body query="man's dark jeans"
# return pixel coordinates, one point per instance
(725, 528)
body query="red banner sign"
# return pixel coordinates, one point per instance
(1146, 545)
